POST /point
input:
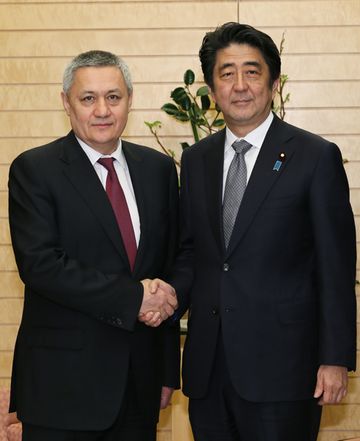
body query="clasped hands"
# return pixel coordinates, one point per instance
(159, 302)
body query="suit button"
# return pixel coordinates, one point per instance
(215, 311)
(226, 267)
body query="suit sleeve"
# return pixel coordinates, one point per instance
(44, 265)
(335, 244)
(183, 271)
(172, 328)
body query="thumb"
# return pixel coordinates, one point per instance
(319, 389)
(154, 285)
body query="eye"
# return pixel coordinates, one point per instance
(113, 98)
(88, 99)
(226, 74)
(252, 72)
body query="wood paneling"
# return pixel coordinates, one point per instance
(160, 39)
(128, 15)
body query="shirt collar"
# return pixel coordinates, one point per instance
(255, 137)
(94, 155)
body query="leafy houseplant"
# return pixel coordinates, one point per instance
(197, 108)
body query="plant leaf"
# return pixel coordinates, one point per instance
(218, 123)
(184, 145)
(189, 77)
(205, 102)
(170, 109)
(185, 103)
(178, 93)
(204, 90)
(181, 116)
(153, 125)
(181, 98)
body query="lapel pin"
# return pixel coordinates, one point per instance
(277, 165)
(279, 162)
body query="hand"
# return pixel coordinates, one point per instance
(166, 393)
(331, 384)
(10, 418)
(159, 302)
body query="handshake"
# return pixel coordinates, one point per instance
(159, 302)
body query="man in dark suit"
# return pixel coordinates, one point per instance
(267, 262)
(93, 218)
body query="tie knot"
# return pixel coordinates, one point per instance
(241, 146)
(108, 163)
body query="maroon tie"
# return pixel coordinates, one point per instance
(121, 210)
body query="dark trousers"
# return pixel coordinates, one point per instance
(222, 415)
(129, 426)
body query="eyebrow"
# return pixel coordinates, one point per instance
(108, 91)
(246, 63)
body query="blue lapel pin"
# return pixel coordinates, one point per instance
(278, 163)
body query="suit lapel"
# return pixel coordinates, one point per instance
(263, 177)
(86, 182)
(213, 175)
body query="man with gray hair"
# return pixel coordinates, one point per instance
(93, 219)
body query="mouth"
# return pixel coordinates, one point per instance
(102, 125)
(241, 101)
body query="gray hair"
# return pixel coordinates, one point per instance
(95, 58)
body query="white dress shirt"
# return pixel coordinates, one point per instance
(122, 171)
(255, 138)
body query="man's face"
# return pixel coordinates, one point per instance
(242, 87)
(98, 104)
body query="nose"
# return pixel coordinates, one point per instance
(101, 108)
(240, 82)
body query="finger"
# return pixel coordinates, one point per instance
(341, 395)
(319, 389)
(154, 285)
(166, 394)
(172, 301)
(168, 310)
(145, 316)
(166, 287)
(155, 321)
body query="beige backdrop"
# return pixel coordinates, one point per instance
(160, 40)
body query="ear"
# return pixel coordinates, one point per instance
(66, 103)
(212, 94)
(275, 87)
(130, 101)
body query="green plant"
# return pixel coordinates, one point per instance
(197, 108)
(281, 99)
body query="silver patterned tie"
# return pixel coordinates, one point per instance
(234, 187)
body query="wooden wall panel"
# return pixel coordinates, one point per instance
(178, 42)
(299, 14)
(113, 15)
(160, 39)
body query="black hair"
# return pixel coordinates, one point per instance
(237, 33)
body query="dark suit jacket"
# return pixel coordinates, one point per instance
(283, 292)
(79, 331)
